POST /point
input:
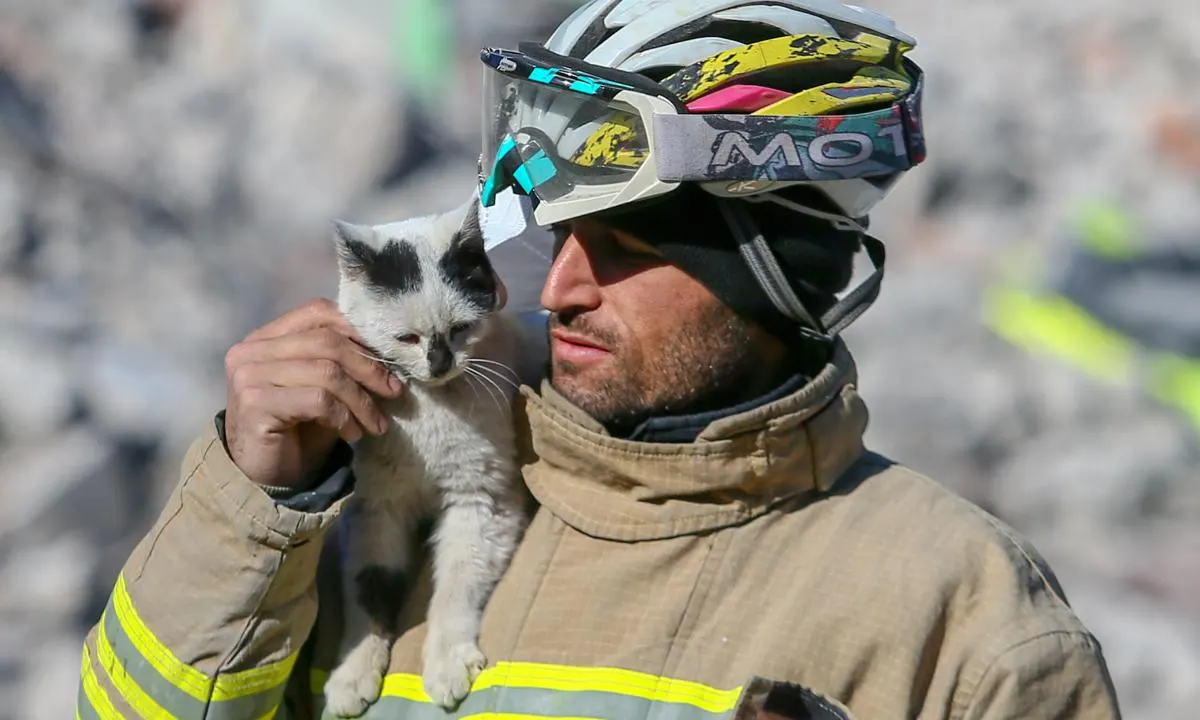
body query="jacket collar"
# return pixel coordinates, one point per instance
(686, 428)
(738, 467)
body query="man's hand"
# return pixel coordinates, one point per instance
(294, 386)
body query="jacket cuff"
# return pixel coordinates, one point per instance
(247, 506)
(334, 481)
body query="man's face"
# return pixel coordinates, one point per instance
(633, 336)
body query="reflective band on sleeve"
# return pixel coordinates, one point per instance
(93, 697)
(156, 684)
(511, 691)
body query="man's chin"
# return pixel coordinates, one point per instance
(599, 394)
(576, 384)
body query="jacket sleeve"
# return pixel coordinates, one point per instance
(1055, 676)
(210, 611)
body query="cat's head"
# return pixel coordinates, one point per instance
(419, 290)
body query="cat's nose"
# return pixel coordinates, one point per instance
(439, 356)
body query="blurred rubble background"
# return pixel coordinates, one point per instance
(168, 170)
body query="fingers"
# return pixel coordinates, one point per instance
(313, 314)
(323, 344)
(276, 409)
(341, 399)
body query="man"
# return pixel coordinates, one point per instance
(712, 539)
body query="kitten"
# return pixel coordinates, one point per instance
(422, 293)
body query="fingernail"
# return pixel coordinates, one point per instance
(382, 425)
(394, 383)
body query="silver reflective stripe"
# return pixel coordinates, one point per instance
(83, 706)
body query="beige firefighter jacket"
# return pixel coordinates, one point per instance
(772, 568)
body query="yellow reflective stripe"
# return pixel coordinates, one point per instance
(126, 686)
(611, 680)
(1056, 325)
(188, 679)
(96, 695)
(230, 686)
(411, 687)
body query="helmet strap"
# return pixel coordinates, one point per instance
(765, 266)
(757, 254)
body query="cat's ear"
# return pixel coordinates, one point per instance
(355, 246)
(470, 233)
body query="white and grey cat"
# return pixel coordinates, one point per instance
(423, 294)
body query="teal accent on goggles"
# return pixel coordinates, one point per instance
(511, 169)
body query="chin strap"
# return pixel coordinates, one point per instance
(774, 282)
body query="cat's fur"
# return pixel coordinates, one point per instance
(423, 294)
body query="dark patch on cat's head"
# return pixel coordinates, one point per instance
(381, 594)
(394, 269)
(466, 266)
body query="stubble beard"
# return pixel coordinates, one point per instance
(705, 367)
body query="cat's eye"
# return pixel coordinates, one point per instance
(460, 329)
(409, 339)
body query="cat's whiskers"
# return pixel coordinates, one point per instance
(474, 391)
(490, 385)
(494, 373)
(494, 363)
(492, 376)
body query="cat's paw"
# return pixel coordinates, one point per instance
(450, 670)
(349, 692)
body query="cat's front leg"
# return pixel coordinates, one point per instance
(475, 540)
(381, 541)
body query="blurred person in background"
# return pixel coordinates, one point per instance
(712, 540)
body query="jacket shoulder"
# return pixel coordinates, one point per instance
(958, 547)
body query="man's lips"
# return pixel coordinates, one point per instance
(573, 339)
(576, 349)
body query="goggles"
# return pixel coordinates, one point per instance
(579, 138)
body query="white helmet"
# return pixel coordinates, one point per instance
(629, 99)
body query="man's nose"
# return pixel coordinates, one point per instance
(571, 284)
